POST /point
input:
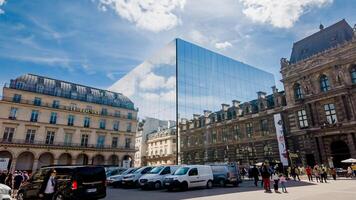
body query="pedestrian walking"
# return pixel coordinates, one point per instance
(254, 174)
(349, 172)
(333, 173)
(316, 173)
(324, 175)
(8, 180)
(308, 171)
(17, 183)
(283, 181)
(275, 178)
(48, 187)
(266, 179)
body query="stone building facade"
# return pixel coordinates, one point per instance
(45, 121)
(320, 87)
(243, 133)
(161, 147)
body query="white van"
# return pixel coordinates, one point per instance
(154, 178)
(190, 176)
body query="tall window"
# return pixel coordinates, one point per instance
(249, 129)
(117, 113)
(73, 106)
(8, 134)
(127, 143)
(264, 127)
(129, 127)
(330, 113)
(71, 120)
(116, 126)
(13, 112)
(324, 83)
(53, 118)
(115, 142)
(129, 115)
(101, 141)
(353, 74)
(50, 137)
(16, 98)
(237, 132)
(213, 137)
(55, 104)
(102, 124)
(302, 119)
(34, 116)
(84, 140)
(104, 111)
(68, 139)
(86, 122)
(37, 101)
(30, 136)
(298, 91)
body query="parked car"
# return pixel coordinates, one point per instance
(111, 171)
(190, 176)
(154, 178)
(226, 174)
(5, 192)
(74, 182)
(131, 180)
(115, 180)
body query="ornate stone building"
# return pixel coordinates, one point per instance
(45, 121)
(161, 147)
(243, 132)
(320, 87)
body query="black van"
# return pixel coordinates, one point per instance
(74, 182)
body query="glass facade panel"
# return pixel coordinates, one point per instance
(183, 79)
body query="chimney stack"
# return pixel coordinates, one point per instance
(236, 103)
(224, 106)
(207, 113)
(261, 95)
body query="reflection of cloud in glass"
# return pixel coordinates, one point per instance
(152, 85)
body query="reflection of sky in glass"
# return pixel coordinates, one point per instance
(205, 81)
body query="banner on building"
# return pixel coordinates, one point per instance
(4, 162)
(278, 123)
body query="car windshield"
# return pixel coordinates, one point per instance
(156, 170)
(181, 171)
(139, 170)
(129, 171)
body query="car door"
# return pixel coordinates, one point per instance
(35, 183)
(165, 172)
(193, 177)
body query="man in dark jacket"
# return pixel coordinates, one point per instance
(254, 174)
(49, 186)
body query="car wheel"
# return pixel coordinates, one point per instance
(184, 186)
(236, 184)
(58, 197)
(209, 184)
(20, 196)
(157, 185)
(222, 183)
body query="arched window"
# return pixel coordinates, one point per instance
(298, 91)
(324, 83)
(353, 74)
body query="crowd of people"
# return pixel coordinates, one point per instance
(279, 175)
(14, 179)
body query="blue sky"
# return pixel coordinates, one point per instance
(95, 42)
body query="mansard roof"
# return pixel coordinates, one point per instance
(322, 40)
(54, 87)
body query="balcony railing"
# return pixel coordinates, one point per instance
(64, 144)
(61, 107)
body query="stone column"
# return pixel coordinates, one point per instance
(321, 150)
(13, 164)
(351, 143)
(35, 164)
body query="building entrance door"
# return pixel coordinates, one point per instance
(339, 151)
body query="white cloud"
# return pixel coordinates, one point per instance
(279, 13)
(223, 45)
(152, 15)
(2, 2)
(198, 37)
(152, 81)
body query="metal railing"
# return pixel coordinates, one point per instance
(61, 107)
(64, 144)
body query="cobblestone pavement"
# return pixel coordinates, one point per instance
(342, 189)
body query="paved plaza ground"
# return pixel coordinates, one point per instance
(342, 189)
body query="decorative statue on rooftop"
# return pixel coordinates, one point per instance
(284, 62)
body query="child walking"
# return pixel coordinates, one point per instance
(275, 178)
(282, 181)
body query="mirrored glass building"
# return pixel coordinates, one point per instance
(184, 79)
